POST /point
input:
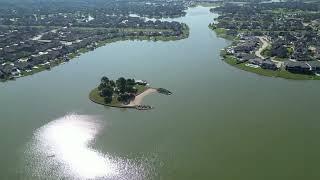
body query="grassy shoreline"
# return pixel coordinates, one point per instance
(96, 98)
(269, 73)
(221, 32)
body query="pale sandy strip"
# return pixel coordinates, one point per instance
(138, 99)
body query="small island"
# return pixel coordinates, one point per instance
(124, 93)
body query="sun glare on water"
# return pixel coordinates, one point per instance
(62, 149)
(63, 146)
(68, 140)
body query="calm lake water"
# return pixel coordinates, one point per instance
(220, 123)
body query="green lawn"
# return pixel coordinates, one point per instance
(95, 97)
(141, 88)
(221, 32)
(281, 59)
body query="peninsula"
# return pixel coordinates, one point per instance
(278, 39)
(124, 93)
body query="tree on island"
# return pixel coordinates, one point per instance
(112, 83)
(107, 92)
(121, 84)
(124, 90)
(126, 98)
(108, 100)
(104, 80)
(102, 86)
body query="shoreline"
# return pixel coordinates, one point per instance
(283, 74)
(139, 98)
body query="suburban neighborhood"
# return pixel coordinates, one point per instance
(279, 36)
(33, 38)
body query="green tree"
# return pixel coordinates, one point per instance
(107, 92)
(112, 83)
(108, 100)
(131, 82)
(121, 82)
(102, 86)
(105, 80)
(130, 89)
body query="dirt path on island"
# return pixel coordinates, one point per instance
(138, 99)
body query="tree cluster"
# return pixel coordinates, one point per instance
(279, 50)
(123, 89)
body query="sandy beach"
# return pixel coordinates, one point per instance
(138, 99)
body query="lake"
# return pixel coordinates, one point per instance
(220, 123)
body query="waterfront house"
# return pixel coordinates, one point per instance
(297, 67)
(314, 66)
(230, 50)
(246, 48)
(23, 66)
(1, 75)
(9, 69)
(256, 61)
(243, 57)
(268, 64)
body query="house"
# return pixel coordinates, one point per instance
(297, 67)
(15, 72)
(301, 56)
(268, 64)
(10, 70)
(315, 66)
(230, 51)
(1, 75)
(243, 57)
(256, 61)
(23, 66)
(246, 48)
(317, 54)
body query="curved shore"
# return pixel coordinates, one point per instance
(139, 98)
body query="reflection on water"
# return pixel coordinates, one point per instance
(61, 149)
